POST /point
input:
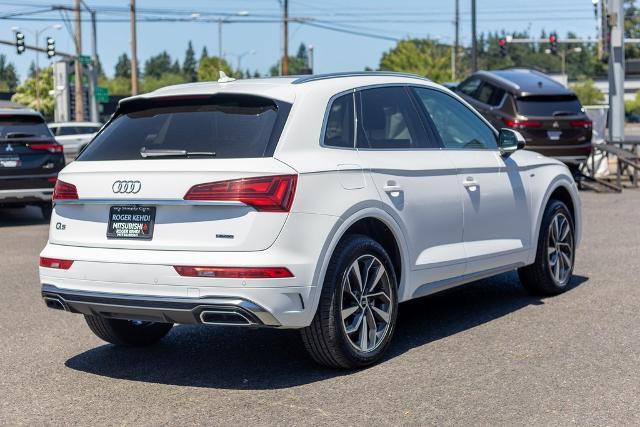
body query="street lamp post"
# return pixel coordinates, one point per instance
(242, 55)
(225, 20)
(37, 34)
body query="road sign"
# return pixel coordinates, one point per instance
(102, 94)
(85, 59)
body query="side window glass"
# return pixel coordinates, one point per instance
(458, 126)
(469, 86)
(66, 131)
(387, 119)
(338, 131)
(485, 93)
(496, 96)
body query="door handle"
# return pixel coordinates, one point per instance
(471, 183)
(392, 188)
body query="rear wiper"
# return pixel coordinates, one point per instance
(563, 113)
(150, 153)
(11, 135)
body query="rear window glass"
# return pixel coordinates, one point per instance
(220, 126)
(548, 105)
(16, 126)
(339, 128)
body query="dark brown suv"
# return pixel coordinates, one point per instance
(548, 114)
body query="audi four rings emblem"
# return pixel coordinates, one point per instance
(126, 187)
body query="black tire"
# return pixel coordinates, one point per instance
(538, 278)
(46, 209)
(326, 339)
(127, 333)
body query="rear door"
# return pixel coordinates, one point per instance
(195, 174)
(494, 198)
(414, 178)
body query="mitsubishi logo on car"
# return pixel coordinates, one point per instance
(126, 187)
(8, 148)
(556, 125)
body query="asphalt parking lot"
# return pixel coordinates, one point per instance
(486, 353)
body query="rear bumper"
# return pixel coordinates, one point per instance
(574, 153)
(209, 310)
(35, 195)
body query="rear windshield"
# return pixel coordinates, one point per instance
(548, 105)
(16, 126)
(220, 126)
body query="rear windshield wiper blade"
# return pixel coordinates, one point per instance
(11, 135)
(563, 113)
(151, 153)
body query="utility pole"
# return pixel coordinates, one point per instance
(474, 38)
(94, 67)
(134, 50)
(220, 39)
(79, 107)
(285, 39)
(615, 9)
(456, 41)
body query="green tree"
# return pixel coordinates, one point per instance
(8, 75)
(158, 65)
(631, 28)
(189, 64)
(210, 66)
(297, 63)
(117, 86)
(419, 56)
(123, 67)
(204, 54)
(26, 93)
(151, 83)
(587, 92)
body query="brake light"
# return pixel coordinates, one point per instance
(61, 264)
(50, 147)
(581, 123)
(64, 190)
(235, 272)
(265, 194)
(522, 124)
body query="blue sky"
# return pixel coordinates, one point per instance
(334, 51)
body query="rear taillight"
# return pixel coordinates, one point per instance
(50, 147)
(581, 124)
(235, 272)
(521, 124)
(64, 190)
(265, 193)
(61, 264)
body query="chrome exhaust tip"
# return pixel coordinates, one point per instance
(231, 318)
(54, 303)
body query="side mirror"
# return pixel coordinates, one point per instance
(509, 141)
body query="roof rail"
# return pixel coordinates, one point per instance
(316, 77)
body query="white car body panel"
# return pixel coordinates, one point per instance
(446, 233)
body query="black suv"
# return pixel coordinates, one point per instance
(548, 114)
(30, 160)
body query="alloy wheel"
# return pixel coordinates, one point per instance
(560, 249)
(366, 305)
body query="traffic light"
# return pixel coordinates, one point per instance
(553, 43)
(503, 46)
(20, 43)
(51, 47)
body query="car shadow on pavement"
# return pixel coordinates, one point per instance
(260, 359)
(14, 217)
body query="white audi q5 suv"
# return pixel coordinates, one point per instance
(318, 203)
